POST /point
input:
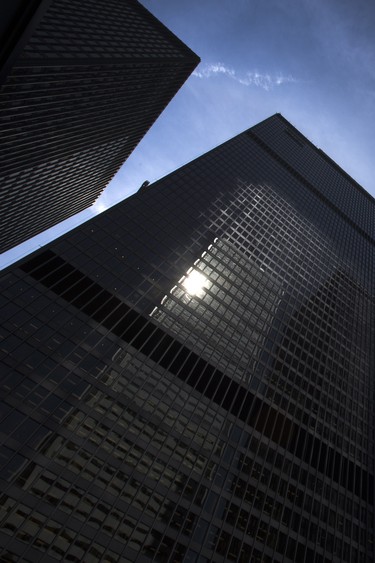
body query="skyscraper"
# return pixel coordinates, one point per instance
(189, 376)
(81, 81)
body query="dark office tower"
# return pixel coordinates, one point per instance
(189, 376)
(81, 81)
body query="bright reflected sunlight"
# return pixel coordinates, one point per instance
(194, 283)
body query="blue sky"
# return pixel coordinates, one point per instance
(311, 60)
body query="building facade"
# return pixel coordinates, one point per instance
(189, 375)
(81, 82)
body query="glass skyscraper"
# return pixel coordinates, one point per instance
(189, 376)
(81, 82)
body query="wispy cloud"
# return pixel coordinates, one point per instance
(257, 79)
(98, 207)
(207, 70)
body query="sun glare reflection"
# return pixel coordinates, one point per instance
(195, 283)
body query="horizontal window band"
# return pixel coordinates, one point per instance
(132, 327)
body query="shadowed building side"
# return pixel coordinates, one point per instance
(189, 375)
(81, 84)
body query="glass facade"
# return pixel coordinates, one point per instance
(189, 375)
(87, 81)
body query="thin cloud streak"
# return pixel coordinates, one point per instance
(257, 79)
(98, 207)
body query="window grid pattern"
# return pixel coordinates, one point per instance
(344, 193)
(69, 29)
(85, 82)
(119, 438)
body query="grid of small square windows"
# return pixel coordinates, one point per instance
(130, 453)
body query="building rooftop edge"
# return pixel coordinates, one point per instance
(325, 156)
(176, 40)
